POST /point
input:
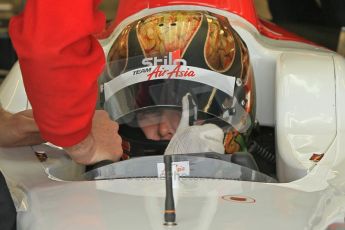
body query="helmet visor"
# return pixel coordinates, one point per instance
(153, 88)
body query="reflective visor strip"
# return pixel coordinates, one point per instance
(219, 81)
(240, 121)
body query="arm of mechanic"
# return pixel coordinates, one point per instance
(60, 60)
(18, 129)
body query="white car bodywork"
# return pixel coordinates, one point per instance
(300, 91)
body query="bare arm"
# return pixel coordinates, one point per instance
(103, 143)
(18, 129)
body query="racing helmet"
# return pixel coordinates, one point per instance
(157, 59)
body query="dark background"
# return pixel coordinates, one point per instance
(319, 21)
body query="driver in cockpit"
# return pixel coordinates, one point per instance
(158, 59)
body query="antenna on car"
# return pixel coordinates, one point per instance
(169, 213)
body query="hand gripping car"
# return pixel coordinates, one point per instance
(275, 100)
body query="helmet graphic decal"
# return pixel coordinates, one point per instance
(220, 46)
(157, 59)
(166, 32)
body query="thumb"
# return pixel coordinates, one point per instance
(184, 122)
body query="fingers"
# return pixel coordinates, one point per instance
(213, 136)
(103, 143)
(197, 139)
(211, 132)
(184, 122)
(108, 141)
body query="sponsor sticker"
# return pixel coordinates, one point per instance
(238, 199)
(41, 156)
(316, 157)
(219, 81)
(173, 58)
(180, 168)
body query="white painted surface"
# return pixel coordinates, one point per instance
(305, 111)
(139, 203)
(12, 93)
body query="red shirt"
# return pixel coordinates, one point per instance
(60, 61)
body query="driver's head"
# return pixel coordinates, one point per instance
(160, 124)
(156, 60)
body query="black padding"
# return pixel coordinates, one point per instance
(8, 214)
(98, 165)
(244, 159)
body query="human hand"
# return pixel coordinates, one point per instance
(103, 142)
(18, 129)
(196, 138)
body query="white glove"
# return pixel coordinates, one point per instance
(196, 138)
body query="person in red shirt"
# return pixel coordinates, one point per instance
(60, 60)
